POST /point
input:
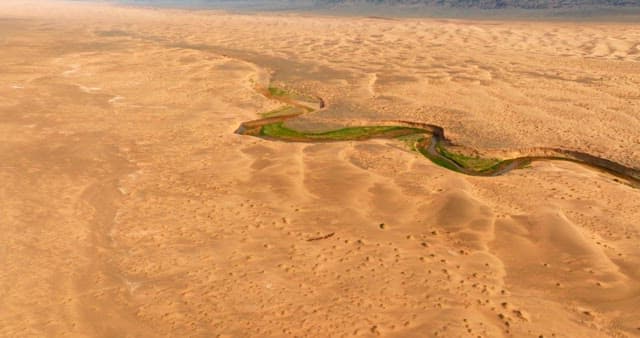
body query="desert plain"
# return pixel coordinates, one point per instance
(130, 208)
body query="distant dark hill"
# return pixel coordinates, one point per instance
(492, 4)
(606, 10)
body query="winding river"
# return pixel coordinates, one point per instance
(425, 138)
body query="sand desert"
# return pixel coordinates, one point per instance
(130, 207)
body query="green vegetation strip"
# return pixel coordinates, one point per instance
(278, 130)
(411, 136)
(297, 104)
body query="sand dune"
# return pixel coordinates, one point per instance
(130, 207)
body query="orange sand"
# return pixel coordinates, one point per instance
(129, 207)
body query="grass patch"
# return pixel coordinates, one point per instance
(412, 140)
(471, 162)
(359, 132)
(278, 130)
(275, 91)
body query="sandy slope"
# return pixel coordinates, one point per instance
(129, 207)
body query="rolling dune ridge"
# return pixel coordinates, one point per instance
(131, 208)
